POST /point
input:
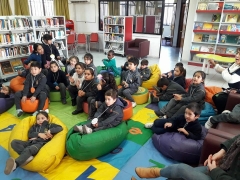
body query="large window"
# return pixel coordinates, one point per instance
(41, 7)
(146, 14)
(169, 12)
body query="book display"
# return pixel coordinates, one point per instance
(117, 30)
(17, 35)
(216, 28)
(152, 23)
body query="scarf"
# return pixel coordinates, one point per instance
(234, 67)
(230, 155)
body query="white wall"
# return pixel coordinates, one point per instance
(166, 31)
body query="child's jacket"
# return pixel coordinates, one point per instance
(76, 78)
(89, 87)
(111, 64)
(145, 73)
(133, 79)
(180, 80)
(58, 77)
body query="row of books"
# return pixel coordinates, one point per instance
(232, 6)
(57, 34)
(231, 39)
(12, 66)
(114, 46)
(113, 29)
(211, 48)
(49, 22)
(205, 26)
(205, 38)
(208, 6)
(16, 38)
(17, 23)
(113, 37)
(230, 27)
(15, 51)
(114, 20)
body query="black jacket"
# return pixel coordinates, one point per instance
(194, 128)
(35, 129)
(101, 93)
(90, 88)
(133, 79)
(50, 49)
(112, 116)
(39, 83)
(58, 77)
(145, 73)
(125, 66)
(180, 80)
(2, 95)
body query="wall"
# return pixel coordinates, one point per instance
(166, 31)
(176, 23)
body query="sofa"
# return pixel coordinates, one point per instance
(138, 47)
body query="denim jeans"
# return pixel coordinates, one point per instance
(185, 172)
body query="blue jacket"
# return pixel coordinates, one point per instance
(41, 58)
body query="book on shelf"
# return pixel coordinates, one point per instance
(231, 50)
(216, 17)
(17, 65)
(212, 38)
(205, 37)
(231, 18)
(222, 38)
(233, 27)
(213, 6)
(202, 6)
(215, 27)
(114, 20)
(6, 67)
(209, 48)
(198, 26)
(197, 38)
(195, 48)
(207, 26)
(114, 46)
(220, 50)
(231, 39)
(224, 27)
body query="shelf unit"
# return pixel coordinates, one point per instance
(216, 28)
(152, 24)
(117, 30)
(19, 33)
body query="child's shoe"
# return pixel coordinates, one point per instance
(148, 125)
(78, 129)
(10, 166)
(226, 112)
(46, 110)
(134, 104)
(27, 161)
(64, 101)
(77, 112)
(86, 130)
(208, 124)
(19, 112)
(158, 113)
(35, 113)
(74, 102)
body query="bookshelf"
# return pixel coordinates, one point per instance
(19, 33)
(117, 30)
(152, 24)
(216, 28)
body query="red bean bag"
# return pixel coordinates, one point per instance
(85, 107)
(127, 111)
(30, 107)
(16, 84)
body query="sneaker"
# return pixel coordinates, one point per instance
(208, 124)
(19, 112)
(10, 166)
(46, 110)
(64, 101)
(226, 112)
(148, 125)
(134, 104)
(86, 130)
(162, 117)
(78, 129)
(27, 161)
(77, 112)
(35, 113)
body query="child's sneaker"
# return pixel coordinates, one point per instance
(10, 166)
(46, 110)
(35, 113)
(78, 129)
(208, 124)
(134, 104)
(162, 117)
(148, 125)
(19, 112)
(226, 112)
(27, 161)
(86, 130)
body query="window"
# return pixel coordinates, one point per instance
(169, 12)
(41, 7)
(146, 14)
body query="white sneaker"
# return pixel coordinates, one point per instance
(35, 113)
(134, 104)
(226, 111)
(78, 129)
(27, 161)
(148, 125)
(208, 124)
(47, 111)
(10, 166)
(86, 130)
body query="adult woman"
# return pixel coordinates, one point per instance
(232, 76)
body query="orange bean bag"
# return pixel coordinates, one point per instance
(30, 107)
(210, 91)
(16, 84)
(85, 107)
(127, 111)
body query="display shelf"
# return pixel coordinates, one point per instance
(208, 11)
(205, 31)
(229, 32)
(231, 11)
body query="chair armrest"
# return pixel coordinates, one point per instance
(130, 43)
(144, 47)
(233, 99)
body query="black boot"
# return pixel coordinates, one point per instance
(74, 102)
(64, 101)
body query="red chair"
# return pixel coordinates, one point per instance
(81, 39)
(94, 39)
(71, 42)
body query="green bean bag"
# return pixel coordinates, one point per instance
(90, 146)
(55, 96)
(118, 79)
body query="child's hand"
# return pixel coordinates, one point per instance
(123, 83)
(183, 131)
(57, 88)
(164, 75)
(67, 75)
(33, 98)
(24, 98)
(99, 87)
(81, 93)
(177, 97)
(211, 163)
(48, 133)
(19, 72)
(167, 125)
(43, 136)
(71, 79)
(32, 139)
(169, 74)
(95, 125)
(211, 62)
(78, 83)
(126, 85)
(96, 104)
(233, 91)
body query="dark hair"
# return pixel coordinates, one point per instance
(129, 56)
(203, 74)
(35, 46)
(43, 113)
(179, 64)
(91, 70)
(35, 64)
(163, 81)
(110, 80)
(134, 60)
(81, 64)
(111, 92)
(74, 57)
(54, 62)
(182, 70)
(88, 56)
(9, 90)
(47, 37)
(111, 52)
(195, 108)
(144, 62)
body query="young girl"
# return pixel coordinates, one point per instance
(179, 76)
(5, 92)
(219, 166)
(87, 91)
(196, 93)
(57, 81)
(108, 115)
(38, 135)
(88, 59)
(70, 66)
(106, 82)
(76, 81)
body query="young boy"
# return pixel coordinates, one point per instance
(144, 71)
(187, 124)
(108, 115)
(34, 88)
(110, 64)
(38, 135)
(88, 60)
(226, 116)
(167, 89)
(131, 80)
(5, 92)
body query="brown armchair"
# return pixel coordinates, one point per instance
(137, 47)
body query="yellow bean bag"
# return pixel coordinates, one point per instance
(155, 70)
(141, 96)
(50, 154)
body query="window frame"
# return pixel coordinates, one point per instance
(44, 4)
(168, 5)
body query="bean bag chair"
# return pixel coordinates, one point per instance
(188, 82)
(127, 111)
(30, 107)
(86, 147)
(118, 79)
(205, 113)
(155, 70)
(85, 107)
(55, 96)
(141, 96)
(6, 103)
(210, 92)
(176, 146)
(50, 155)
(16, 84)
